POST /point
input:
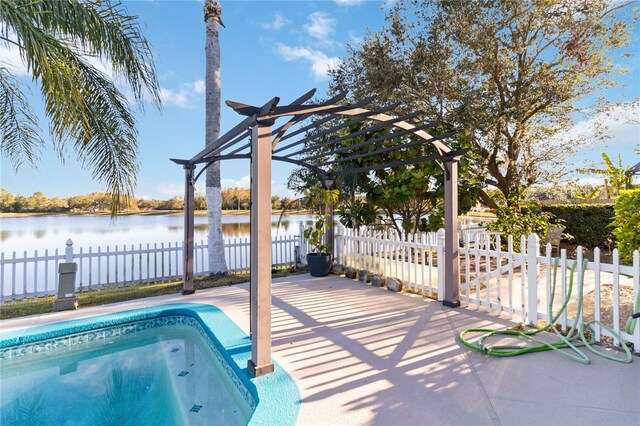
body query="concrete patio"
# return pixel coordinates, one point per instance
(364, 355)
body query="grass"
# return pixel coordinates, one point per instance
(43, 305)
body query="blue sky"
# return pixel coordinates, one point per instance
(268, 48)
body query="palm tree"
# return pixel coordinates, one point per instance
(57, 41)
(213, 18)
(613, 175)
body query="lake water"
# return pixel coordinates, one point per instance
(51, 232)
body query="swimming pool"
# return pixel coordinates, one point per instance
(170, 364)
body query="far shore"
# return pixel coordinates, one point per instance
(146, 213)
(181, 212)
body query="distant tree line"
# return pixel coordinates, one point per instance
(96, 202)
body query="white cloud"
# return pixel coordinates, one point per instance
(277, 23)
(320, 26)
(281, 190)
(183, 97)
(10, 55)
(354, 39)
(349, 2)
(616, 132)
(593, 181)
(618, 127)
(198, 86)
(168, 190)
(10, 58)
(243, 182)
(320, 62)
(620, 124)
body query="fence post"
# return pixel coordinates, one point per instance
(440, 263)
(533, 248)
(302, 242)
(337, 254)
(68, 251)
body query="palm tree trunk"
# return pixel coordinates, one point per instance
(217, 264)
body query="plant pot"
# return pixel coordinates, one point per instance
(319, 264)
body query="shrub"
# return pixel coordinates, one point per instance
(521, 217)
(589, 224)
(626, 224)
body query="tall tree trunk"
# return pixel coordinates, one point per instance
(212, 11)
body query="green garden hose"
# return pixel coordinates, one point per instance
(565, 341)
(630, 326)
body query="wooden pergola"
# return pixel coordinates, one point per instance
(305, 128)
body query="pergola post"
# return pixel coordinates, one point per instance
(451, 246)
(328, 183)
(260, 362)
(189, 207)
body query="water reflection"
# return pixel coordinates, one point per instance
(243, 229)
(51, 232)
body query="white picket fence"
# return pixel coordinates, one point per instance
(503, 281)
(36, 275)
(411, 258)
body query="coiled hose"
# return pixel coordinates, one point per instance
(565, 341)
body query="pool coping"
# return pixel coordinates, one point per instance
(232, 343)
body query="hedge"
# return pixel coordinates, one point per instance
(589, 224)
(627, 224)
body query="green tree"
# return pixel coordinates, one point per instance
(85, 110)
(614, 175)
(6, 201)
(200, 202)
(81, 203)
(38, 202)
(519, 216)
(509, 72)
(20, 204)
(173, 203)
(58, 205)
(403, 196)
(317, 199)
(276, 202)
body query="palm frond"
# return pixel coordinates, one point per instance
(19, 132)
(83, 105)
(100, 29)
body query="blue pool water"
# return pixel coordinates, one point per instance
(153, 366)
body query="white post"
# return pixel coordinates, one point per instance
(533, 247)
(68, 251)
(302, 242)
(440, 261)
(636, 290)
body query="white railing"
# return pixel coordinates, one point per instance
(27, 276)
(496, 278)
(411, 258)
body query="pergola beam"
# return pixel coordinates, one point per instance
(389, 165)
(314, 109)
(280, 131)
(328, 131)
(381, 150)
(360, 132)
(231, 134)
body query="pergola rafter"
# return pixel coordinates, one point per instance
(262, 148)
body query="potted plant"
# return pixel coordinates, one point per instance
(318, 199)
